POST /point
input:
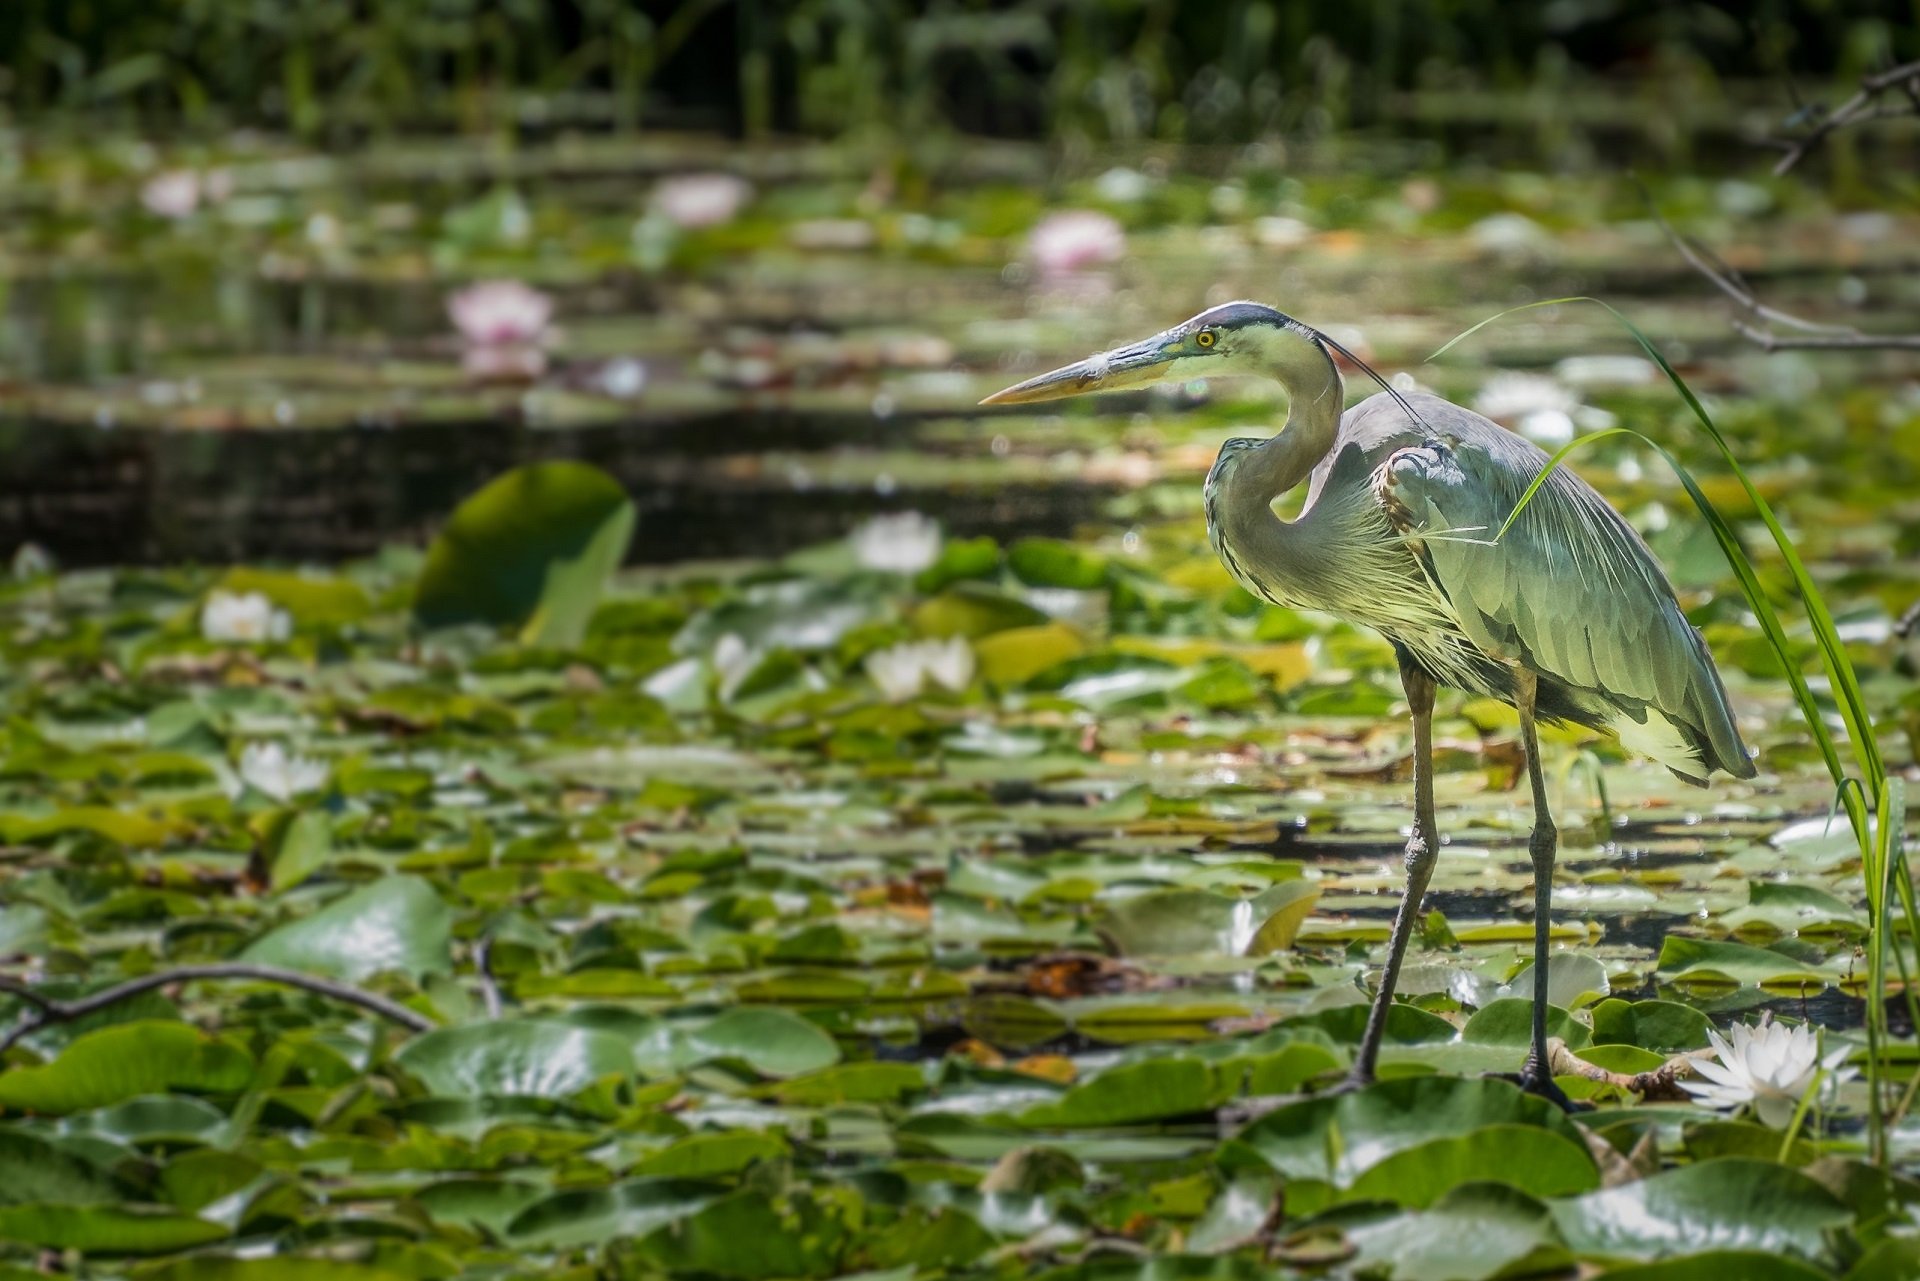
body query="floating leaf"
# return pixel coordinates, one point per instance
(303, 847)
(1388, 1117)
(590, 1216)
(1729, 1203)
(1474, 1233)
(709, 1156)
(124, 1061)
(774, 1042)
(1536, 1161)
(1154, 1089)
(1016, 655)
(1049, 562)
(1281, 911)
(531, 550)
(397, 923)
(515, 1057)
(1574, 979)
(32, 1169)
(748, 1235)
(1509, 1021)
(1697, 959)
(106, 1229)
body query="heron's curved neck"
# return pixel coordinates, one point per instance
(1314, 403)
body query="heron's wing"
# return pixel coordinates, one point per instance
(1569, 591)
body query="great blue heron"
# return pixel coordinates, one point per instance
(1568, 617)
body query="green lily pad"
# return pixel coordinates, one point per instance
(1729, 1203)
(1703, 959)
(1475, 1232)
(397, 923)
(1536, 1161)
(531, 550)
(772, 1041)
(124, 1061)
(589, 1216)
(515, 1057)
(106, 1229)
(1388, 1117)
(33, 1169)
(1666, 1027)
(1133, 1092)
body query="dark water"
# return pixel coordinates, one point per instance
(96, 496)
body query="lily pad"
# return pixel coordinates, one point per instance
(531, 550)
(396, 924)
(1729, 1203)
(515, 1057)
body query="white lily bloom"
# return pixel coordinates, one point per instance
(903, 543)
(173, 194)
(245, 618)
(733, 661)
(696, 200)
(897, 671)
(902, 671)
(270, 769)
(949, 662)
(1768, 1065)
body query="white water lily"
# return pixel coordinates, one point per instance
(243, 618)
(272, 770)
(173, 194)
(696, 200)
(903, 543)
(1769, 1065)
(902, 671)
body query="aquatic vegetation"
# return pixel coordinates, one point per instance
(242, 618)
(1767, 1066)
(902, 543)
(270, 769)
(669, 934)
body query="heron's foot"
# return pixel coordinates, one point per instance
(1535, 1079)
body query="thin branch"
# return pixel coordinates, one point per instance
(1861, 107)
(1757, 325)
(1659, 1083)
(48, 1011)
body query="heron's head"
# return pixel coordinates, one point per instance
(1233, 338)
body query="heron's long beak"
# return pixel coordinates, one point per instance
(1135, 365)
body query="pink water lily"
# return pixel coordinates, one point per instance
(501, 313)
(1064, 243)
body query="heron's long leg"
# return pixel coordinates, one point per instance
(1423, 849)
(1537, 1076)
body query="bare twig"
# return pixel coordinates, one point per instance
(1757, 325)
(1863, 106)
(47, 1010)
(1660, 1083)
(1909, 623)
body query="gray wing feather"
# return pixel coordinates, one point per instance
(1570, 591)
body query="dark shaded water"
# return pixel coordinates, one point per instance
(96, 496)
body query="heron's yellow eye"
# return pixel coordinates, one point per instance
(1204, 338)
